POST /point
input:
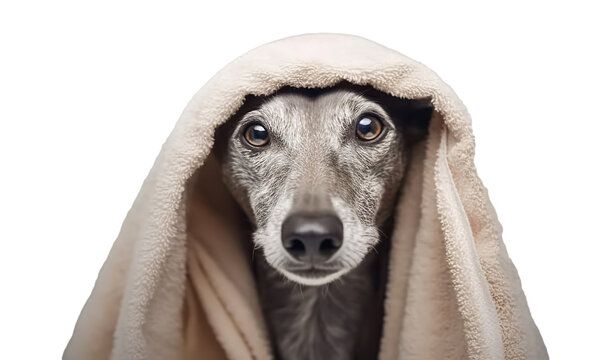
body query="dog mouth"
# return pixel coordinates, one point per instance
(312, 275)
(312, 272)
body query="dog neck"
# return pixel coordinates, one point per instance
(340, 320)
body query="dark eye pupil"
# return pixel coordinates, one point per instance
(257, 135)
(259, 132)
(368, 128)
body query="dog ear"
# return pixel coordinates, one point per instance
(410, 116)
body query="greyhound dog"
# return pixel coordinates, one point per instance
(318, 172)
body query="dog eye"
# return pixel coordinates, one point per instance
(256, 135)
(369, 128)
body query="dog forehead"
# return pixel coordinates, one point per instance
(321, 119)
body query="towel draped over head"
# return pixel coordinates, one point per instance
(177, 283)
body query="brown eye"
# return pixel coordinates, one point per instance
(369, 128)
(256, 135)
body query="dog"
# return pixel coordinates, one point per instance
(317, 173)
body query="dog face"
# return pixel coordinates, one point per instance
(317, 175)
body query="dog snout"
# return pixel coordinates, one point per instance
(312, 238)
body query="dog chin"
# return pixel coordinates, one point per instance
(313, 279)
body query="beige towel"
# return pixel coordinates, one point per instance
(177, 282)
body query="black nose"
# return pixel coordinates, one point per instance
(312, 238)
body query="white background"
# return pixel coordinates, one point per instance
(89, 92)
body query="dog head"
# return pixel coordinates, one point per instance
(317, 172)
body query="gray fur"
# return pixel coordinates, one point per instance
(315, 161)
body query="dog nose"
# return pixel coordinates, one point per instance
(312, 238)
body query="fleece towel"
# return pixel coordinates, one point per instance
(177, 283)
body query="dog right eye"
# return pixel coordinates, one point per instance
(369, 128)
(256, 135)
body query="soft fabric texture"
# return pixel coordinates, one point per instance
(178, 282)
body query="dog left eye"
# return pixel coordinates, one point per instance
(368, 128)
(256, 135)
